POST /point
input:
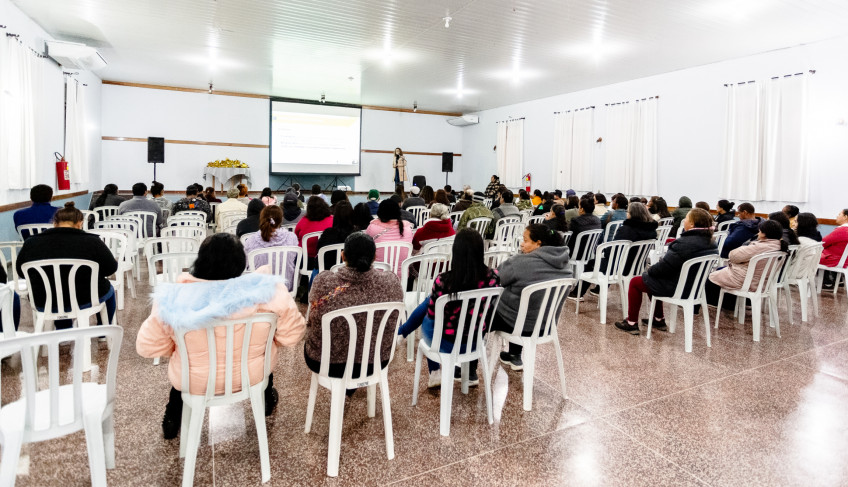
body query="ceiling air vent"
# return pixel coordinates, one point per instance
(464, 120)
(76, 56)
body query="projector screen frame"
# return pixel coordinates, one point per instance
(271, 101)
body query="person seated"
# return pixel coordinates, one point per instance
(619, 210)
(468, 272)
(505, 208)
(742, 231)
(336, 197)
(336, 234)
(807, 229)
(40, 212)
(684, 204)
(16, 302)
(316, 191)
(635, 199)
(267, 196)
(555, 219)
(600, 201)
(413, 199)
(703, 205)
(139, 202)
(232, 204)
(296, 190)
(496, 199)
(317, 219)
(200, 194)
(250, 224)
(356, 284)
(524, 202)
(373, 201)
(271, 235)
(362, 216)
(192, 203)
(492, 188)
(243, 194)
(572, 207)
(536, 200)
(834, 246)
(791, 212)
(477, 210)
(661, 278)
(428, 195)
(585, 221)
(215, 289)
(108, 197)
(405, 215)
(789, 235)
(449, 192)
(659, 208)
(157, 190)
(440, 197)
(67, 240)
(546, 205)
(439, 226)
(724, 211)
(210, 196)
(292, 213)
(464, 203)
(389, 227)
(769, 239)
(542, 258)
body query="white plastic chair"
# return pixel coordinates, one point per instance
(394, 254)
(322, 254)
(106, 211)
(494, 258)
(117, 244)
(611, 229)
(536, 219)
(488, 203)
(197, 214)
(9, 260)
(438, 245)
(90, 217)
(7, 296)
(840, 271)
(229, 219)
(149, 220)
(305, 270)
(666, 222)
(385, 329)
(54, 298)
(421, 214)
(544, 331)
(455, 216)
(129, 268)
(167, 245)
(195, 232)
(480, 304)
(60, 410)
(725, 226)
(284, 261)
(172, 265)
(429, 267)
(181, 219)
(525, 215)
(688, 294)
(801, 272)
(616, 255)
(507, 236)
(566, 236)
(584, 249)
(638, 257)
(480, 224)
(764, 288)
(25, 231)
(195, 405)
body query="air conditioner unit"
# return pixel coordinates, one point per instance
(464, 120)
(75, 56)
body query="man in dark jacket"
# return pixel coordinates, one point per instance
(679, 213)
(743, 231)
(584, 222)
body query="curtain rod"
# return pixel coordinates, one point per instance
(75, 73)
(626, 102)
(510, 120)
(812, 71)
(576, 110)
(17, 37)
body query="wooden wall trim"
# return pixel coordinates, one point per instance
(409, 110)
(26, 204)
(190, 142)
(185, 90)
(374, 151)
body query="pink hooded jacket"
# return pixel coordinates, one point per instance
(733, 276)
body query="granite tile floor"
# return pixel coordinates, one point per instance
(637, 412)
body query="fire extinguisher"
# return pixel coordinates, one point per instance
(63, 174)
(527, 182)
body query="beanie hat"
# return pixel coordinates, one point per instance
(479, 197)
(373, 194)
(415, 190)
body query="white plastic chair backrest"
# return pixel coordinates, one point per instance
(585, 244)
(566, 236)
(488, 202)
(229, 218)
(173, 265)
(525, 215)
(148, 219)
(662, 234)
(450, 207)
(29, 345)
(509, 234)
(31, 229)
(181, 221)
(192, 213)
(770, 264)
(138, 223)
(479, 224)
(693, 275)
(7, 296)
(615, 253)
(788, 266)
(680, 230)
(807, 260)
(304, 244)
(611, 230)
(429, 267)
(9, 259)
(421, 214)
(455, 216)
(507, 219)
(169, 245)
(536, 219)
(106, 211)
(90, 217)
(638, 257)
(390, 315)
(246, 236)
(195, 232)
(552, 293)
(666, 222)
(494, 258)
(440, 245)
(322, 254)
(116, 242)
(55, 288)
(718, 239)
(129, 244)
(725, 226)
(476, 308)
(123, 224)
(283, 260)
(246, 328)
(126, 228)
(392, 252)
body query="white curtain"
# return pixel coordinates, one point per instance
(742, 151)
(643, 179)
(630, 163)
(618, 147)
(76, 147)
(510, 152)
(573, 155)
(20, 70)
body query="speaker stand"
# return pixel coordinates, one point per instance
(154, 170)
(335, 183)
(446, 178)
(290, 180)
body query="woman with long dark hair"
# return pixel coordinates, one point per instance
(271, 235)
(389, 227)
(427, 194)
(725, 211)
(317, 219)
(807, 229)
(789, 235)
(362, 216)
(468, 272)
(399, 166)
(109, 197)
(210, 195)
(336, 234)
(555, 219)
(441, 197)
(660, 209)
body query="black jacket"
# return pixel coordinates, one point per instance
(251, 223)
(633, 231)
(730, 215)
(68, 243)
(579, 225)
(661, 278)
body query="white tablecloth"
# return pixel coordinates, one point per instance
(224, 174)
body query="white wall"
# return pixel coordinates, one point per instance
(691, 126)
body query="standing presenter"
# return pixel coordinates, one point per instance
(399, 165)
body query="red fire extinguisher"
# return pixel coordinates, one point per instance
(63, 174)
(527, 182)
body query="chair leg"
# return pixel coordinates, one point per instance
(705, 312)
(131, 284)
(12, 442)
(650, 317)
(337, 399)
(310, 405)
(774, 317)
(446, 399)
(622, 290)
(109, 440)
(814, 296)
(195, 426)
(417, 376)
(804, 298)
(464, 377)
(184, 423)
(529, 371)
(560, 364)
(579, 295)
(372, 400)
(387, 414)
(497, 346)
(602, 302)
(96, 452)
(756, 316)
(484, 362)
(410, 346)
(688, 325)
(257, 403)
(789, 308)
(718, 308)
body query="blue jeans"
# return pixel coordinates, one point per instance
(419, 319)
(16, 312)
(397, 177)
(111, 306)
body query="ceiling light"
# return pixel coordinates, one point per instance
(447, 21)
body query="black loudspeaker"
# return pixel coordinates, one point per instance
(156, 150)
(419, 181)
(447, 161)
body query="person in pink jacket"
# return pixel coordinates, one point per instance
(389, 227)
(834, 246)
(769, 239)
(216, 290)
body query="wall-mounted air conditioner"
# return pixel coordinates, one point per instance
(75, 56)
(464, 120)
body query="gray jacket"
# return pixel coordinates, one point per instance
(543, 264)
